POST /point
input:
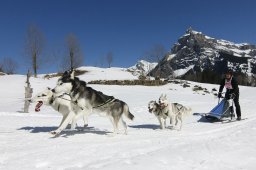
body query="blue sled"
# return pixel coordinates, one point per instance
(223, 109)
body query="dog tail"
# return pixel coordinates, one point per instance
(127, 112)
(188, 110)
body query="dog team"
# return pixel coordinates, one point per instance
(74, 99)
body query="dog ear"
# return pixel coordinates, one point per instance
(48, 88)
(65, 73)
(72, 74)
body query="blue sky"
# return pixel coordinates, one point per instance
(127, 28)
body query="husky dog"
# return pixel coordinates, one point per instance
(60, 103)
(154, 107)
(174, 111)
(86, 100)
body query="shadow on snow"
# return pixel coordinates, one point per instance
(145, 126)
(65, 133)
(203, 118)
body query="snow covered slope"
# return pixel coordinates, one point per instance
(113, 73)
(26, 144)
(142, 67)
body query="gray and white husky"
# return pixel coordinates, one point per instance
(164, 109)
(154, 107)
(60, 103)
(174, 111)
(86, 100)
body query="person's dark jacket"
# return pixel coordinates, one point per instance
(234, 84)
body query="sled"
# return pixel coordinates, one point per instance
(223, 111)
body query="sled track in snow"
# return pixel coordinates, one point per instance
(153, 141)
(223, 128)
(220, 126)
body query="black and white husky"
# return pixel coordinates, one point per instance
(60, 103)
(86, 100)
(164, 109)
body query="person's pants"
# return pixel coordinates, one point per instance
(237, 105)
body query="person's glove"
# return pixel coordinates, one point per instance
(219, 95)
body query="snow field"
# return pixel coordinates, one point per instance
(25, 142)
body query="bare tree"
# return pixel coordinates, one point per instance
(156, 53)
(33, 46)
(109, 58)
(74, 57)
(1, 67)
(101, 61)
(9, 65)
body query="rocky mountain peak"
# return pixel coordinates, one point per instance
(196, 52)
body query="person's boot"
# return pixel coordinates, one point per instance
(238, 118)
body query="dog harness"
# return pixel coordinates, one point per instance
(61, 97)
(177, 106)
(166, 113)
(53, 98)
(112, 99)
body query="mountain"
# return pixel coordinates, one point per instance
(142, 67)
(196, 53)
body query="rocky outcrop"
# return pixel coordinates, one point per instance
(195, 52)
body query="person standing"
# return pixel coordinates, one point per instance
(232, 91)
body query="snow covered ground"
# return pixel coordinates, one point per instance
(26, 144)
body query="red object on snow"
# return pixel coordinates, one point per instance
(38, 105)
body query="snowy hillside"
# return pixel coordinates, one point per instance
(25, 142)
(142, 67)
(114, 73)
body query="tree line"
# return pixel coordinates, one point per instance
(210, 76)
(8, 65)
(34, 46)
(71, 56)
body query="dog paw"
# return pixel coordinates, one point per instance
(162, 128)
(68, 126)
(55, 133)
